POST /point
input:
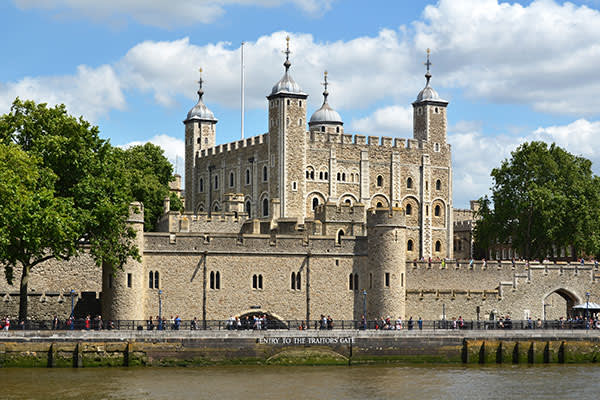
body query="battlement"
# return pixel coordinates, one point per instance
(462, 226)
(362, 140)
(502, 265)
(332, 212)
(385, 216)
(232, 146)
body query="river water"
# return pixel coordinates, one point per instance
(265, 383)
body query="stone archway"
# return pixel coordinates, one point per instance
(558, 303)
(273, 320)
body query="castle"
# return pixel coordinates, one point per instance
(300, 222)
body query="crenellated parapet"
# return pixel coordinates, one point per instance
(248, 143)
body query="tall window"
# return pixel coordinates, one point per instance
(408, 209)
(201, 185)
(265, 207)
(409, 245)
(247, 177)
(231, 179)
(339, 236)
(293, 281)
(409, 183)
(296, 282)
(249, 209)
(315, 203)
(438, 246)
(257, 281)
(438, 185)
(215, 280)
(212, 280)
(437, 211)
(151, 280)
(265, 174)
(387, 279)
(379, 181)
(216, 182)
(351, 282)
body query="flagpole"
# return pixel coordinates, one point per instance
(242, 71)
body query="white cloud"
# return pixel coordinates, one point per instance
(174, 149)
(543, 54)
(387, 121)
(90, 92)
(475, 154)
(163, 13)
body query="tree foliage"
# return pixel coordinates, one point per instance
(543, 198)
(61, 185)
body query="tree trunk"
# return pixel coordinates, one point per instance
(23, 293)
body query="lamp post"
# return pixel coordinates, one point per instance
(160, 321)
(364, 309)
(587, 306)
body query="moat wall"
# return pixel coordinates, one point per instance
(294, 348)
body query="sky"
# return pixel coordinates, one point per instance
(512, 71)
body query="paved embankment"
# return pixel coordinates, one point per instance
(129, 348)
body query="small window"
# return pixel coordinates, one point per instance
(437, 211)
(427, 210)
(321, 175)
(343, 177)
(199, 141)
(339, 236)
(288, 102)
(409, 183)
(265, 207)
(379, 181)
(300, 122)
(231, 179)
(293, 281)
(437, 110)
(294, 186)
(409, 245)
(348, 201)
(298, 281)
(322, 129)
(265, 174)
(370, 280)
(260, 281)
(247, 177)
(218, 280)
(408, 209)
(438, 246)
(402, 279)
(387, 279)
(254, 282)
(129, 280)
(339, 176)
(216, 182)
(151, 280)
(300, 103)
(312, 174)
(426, 185)
(337, 129)
(201, 185)
(205, 140)
(350, 282)
(212, 280)
(326, 175)
(438, 185)
(248, 209)
(315, 203)
(379, 204)
(436, 147)
(156, 280)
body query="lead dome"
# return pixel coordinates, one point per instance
(325, 114)
(287, 84)
(200, 111)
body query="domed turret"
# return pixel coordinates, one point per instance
(287, 84)
(326, 116)
(200, 111)
(428, 93)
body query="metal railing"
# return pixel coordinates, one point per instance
(271, 324)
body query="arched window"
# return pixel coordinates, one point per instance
(315, 203)
(348, 201)
(212, 280)
(339, 236)
(312, 174)
(199, 140)
(326, 175)
(293, 281)
(409, 183)
(288, 102)
(298, 281)
(260, 282)
(408, 209)
(265, 174)
(438, 246)
(249, 209)
(379, 204)
(300, 122)
(322, 129)
(156, 280)
(151, 280)
(409, 245)
(247, 177)
(231, 179)
(254, 282)
(438, 185)
(379, 181)
(216, 207)
(343, 177)
(300, 103)
(351, 282)
(218, 280)
(337, 129)
(201, 185)
(265, 207)
(437, 211)
(216, 182)
(321, 175)
(339, 176)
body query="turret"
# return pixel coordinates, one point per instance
(200, 134)
(326, 119)
(123, 289)
(385, 281)
(429, 114)
(287, 144)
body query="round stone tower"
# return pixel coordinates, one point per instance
(123, 289)
(386, 270)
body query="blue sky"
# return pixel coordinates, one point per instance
(512, 71)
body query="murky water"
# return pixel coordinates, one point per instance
(265, 383)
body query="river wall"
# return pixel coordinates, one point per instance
(101, 349)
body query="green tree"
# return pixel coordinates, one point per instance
(74, 190)
(543, 197)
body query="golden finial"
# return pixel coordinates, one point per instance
(200, 70)
(325, 72)
(287, 52)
